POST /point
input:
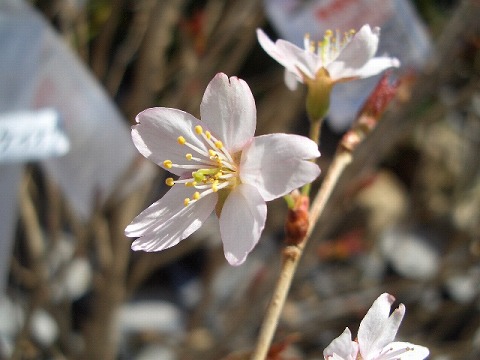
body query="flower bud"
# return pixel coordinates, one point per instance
(296, 225)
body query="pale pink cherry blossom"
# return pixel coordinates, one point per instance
(375, 337)
(221, 166)
(337, 57)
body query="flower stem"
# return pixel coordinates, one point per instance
(292, 254)
(315, 126)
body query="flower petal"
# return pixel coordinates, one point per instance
(377, 329)
(404, 351)
(276, 164)
(361, 47)
(168, 221)
(356, 54)
(342, 347)
(291, 80)
(299, 59)
(283, 58)
(157, 131)
(241, 222)
(372, 67)
(228, 109)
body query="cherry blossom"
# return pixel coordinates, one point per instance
(337, 57)
(220, 166)
(375, 337)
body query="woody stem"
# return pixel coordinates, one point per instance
(292, 254)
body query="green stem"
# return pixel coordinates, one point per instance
(315, 129)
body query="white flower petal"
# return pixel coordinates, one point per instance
(157, 131)
(298, 59)
(373, 67)
(168, 221)
(356, 53)
(404, 351)
(162, 210)
(291, 80)
(241, 222)
(342, 347)
(228, 109)
(278, 163)
(284, 59)
(377, 329)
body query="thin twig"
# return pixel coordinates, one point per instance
(292, 255)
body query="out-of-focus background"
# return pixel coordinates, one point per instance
(405, 217)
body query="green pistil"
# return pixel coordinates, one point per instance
(203, 175)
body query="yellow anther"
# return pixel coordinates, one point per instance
(198, 129)
(169, 182)
(218, 174)
(191, 183)
(196, 195)
(208, 135)
(186, 201)
(189, 156)
(352, 31)
(212, 153)
(328, 33)
(168, 164)
(181, 140)
(215, 186)
(218, 144)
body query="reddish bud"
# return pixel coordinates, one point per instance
(372, 110)
(380, 97)
(296, 225)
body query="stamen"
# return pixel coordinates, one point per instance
(226, 176)
(331, 44)
(198, 150)
(181, 140)
(189, 167)
(212, 169)
(306, 41)
(390, 354)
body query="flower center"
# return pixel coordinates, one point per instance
(212, 170)
(328, 48)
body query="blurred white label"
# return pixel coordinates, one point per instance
(31, 135)
(38, 70)
(294, 18)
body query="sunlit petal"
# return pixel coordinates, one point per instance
(157, 131)
(228, 110)
(241, 222)
(279, 163)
